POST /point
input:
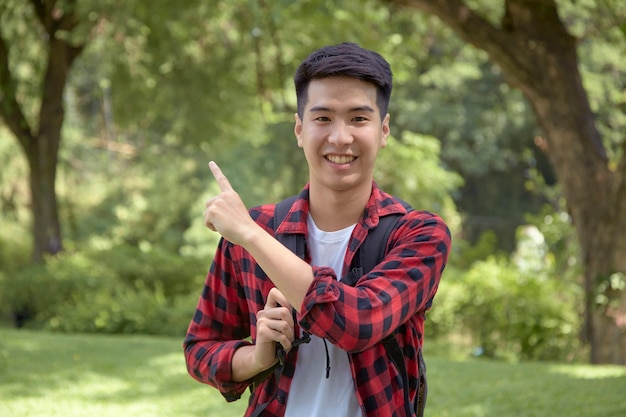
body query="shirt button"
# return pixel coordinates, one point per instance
(281, 399)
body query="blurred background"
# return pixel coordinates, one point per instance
(110, 111)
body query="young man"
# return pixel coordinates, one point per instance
(258, 288)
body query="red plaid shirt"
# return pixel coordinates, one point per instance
(394, 295)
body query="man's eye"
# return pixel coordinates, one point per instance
(323, 119)
(360, 119)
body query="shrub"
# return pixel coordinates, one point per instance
(14, 255)
(121, 290)
(442, 320)
(517, 315)
(519, 306)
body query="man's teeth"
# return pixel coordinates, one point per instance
(340, 159)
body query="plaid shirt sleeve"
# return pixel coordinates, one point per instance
(400, 287)
(220, 323)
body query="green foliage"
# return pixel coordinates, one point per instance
(609, 289)
(511, 309)
(19, 26)
(274, 153)
(525, 305)
(411, 169)
(4, 354)
(146, 198)
(15, 246)
(164, 87)
(442, 325)
(444, 320)
(121, 290)
(14, 192)
(449, 90)
(555, 225)
(465, 254)
(15, 237)
(602, 48)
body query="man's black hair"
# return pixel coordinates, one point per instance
(348, 60)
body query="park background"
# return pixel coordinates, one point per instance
(508, 119)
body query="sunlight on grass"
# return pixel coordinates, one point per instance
(590, 372)
(60, 375)
(101, 376)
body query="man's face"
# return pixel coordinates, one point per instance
(341, 132)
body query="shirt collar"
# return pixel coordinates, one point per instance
(380, 204)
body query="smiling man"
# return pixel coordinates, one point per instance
(317, 340)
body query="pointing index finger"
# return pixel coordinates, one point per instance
(221, 179)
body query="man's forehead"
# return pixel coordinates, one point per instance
(343, 91)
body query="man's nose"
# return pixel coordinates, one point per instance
(340, 134)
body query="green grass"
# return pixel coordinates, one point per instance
(57, 375)
(50, 375)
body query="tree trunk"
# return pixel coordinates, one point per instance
(42, 154)
(42, 148)
(539, 56)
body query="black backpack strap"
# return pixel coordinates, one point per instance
(422, 388)
(277, 370)
(293, 242)
(371, 252)
(397, 357)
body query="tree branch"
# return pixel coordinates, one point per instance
(53, 19)
(10, 110)
(66, 20)
(532, 47)
(518, 32)
(69, 20)
(468, 24)
(41, 12)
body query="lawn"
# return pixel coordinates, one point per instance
(55, 375)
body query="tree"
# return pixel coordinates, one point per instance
(533, 47)
(40, 136)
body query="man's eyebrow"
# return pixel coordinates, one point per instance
(321, 109)
(362, 108)
(367, 109)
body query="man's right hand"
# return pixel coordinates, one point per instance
(274, 325)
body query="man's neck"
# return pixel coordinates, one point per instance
(335, 210)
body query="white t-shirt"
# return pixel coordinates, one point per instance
(311, 394)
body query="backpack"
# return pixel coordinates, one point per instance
(370, 253)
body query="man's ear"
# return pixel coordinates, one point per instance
(385, 131)
(297, 129)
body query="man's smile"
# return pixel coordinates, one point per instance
(340, 159)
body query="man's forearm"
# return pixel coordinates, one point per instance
(243, 364)
(290, 274)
